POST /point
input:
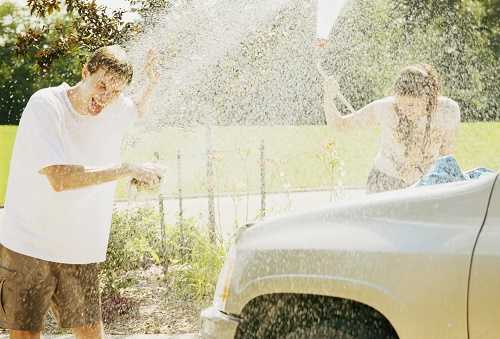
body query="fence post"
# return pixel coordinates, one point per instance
(180, 222)
(161, 210)
(163, 248)
(262, 179)
(179, 185)
(210, 185)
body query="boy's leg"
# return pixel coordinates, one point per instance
(26, 288)
(77, 302)
(94, 331)
(24, 334)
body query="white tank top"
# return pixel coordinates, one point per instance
(391, 158)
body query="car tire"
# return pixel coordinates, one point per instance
(323, 331)
(341, 328)
(297, 317)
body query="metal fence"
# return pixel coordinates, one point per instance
(246, 182)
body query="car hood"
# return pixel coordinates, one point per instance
(406, 254)
(424, 218)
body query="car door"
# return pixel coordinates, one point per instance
(484, 288)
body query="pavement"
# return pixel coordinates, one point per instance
(233, 211)
(135, 336)
(154, 336)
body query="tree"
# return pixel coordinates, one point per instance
(87, 27)
(369, 44)
(469, 31)
(18, 73)
(48, 45)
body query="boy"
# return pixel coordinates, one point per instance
(63, 173)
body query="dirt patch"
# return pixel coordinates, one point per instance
(155, 309)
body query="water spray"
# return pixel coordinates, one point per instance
(196, 36)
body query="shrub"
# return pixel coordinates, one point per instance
(195, 261)
(134, 243)
(191, 261)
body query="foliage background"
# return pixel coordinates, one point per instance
(46, 43)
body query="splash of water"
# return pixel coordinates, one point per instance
(193, 37)
(247, 56)
(245, 63)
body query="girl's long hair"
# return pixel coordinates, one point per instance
(418, 81)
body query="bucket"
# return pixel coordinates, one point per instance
(326, 14)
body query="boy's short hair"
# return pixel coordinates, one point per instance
(111, 58)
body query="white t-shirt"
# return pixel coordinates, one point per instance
(391, 156)
(70, 226)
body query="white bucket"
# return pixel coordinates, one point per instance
(326, 14)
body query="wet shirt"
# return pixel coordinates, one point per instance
(70, 226)
(409, 162)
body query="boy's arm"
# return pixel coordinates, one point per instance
(70, 177)
(142, 101)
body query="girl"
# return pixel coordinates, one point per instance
(417, 126)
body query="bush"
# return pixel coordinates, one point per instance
(191, 262)
(134, 243)
(195, 262)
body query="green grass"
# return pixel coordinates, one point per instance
(296, 157)
(478, 144)
(7, 137)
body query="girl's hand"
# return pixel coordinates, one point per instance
(320, 43)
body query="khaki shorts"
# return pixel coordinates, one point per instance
(30, 286)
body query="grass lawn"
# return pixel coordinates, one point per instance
(7, 137)
(295, 157)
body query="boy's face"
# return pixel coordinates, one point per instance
(100, 89)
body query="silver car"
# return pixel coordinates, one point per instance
(419, 263)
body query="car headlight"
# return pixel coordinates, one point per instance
(224, 281)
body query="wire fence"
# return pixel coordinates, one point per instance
(231, 186)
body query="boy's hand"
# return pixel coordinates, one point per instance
(151, 66)
(151, 69)
(147, 176)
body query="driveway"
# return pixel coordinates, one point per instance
(135, 336)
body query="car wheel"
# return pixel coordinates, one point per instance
(323, 331)
(303, 316)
